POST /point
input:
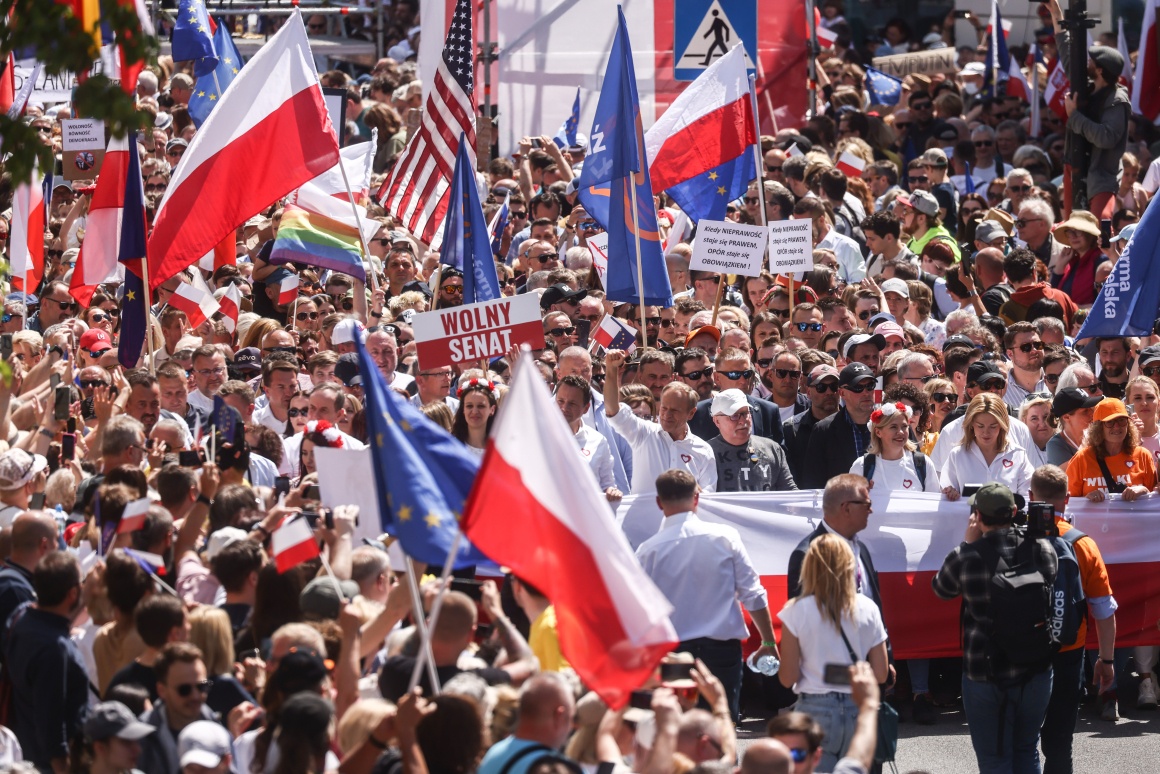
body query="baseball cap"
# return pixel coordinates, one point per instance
(711, 330)
(921, 201)
(896, 285)
(561, 292)
(1125, 233)
(1149, 355)
(820, 372)
(1109, 408)
(17, 467)
(344, 331)
(995, 501)
(275, 277)
(934, 157)
(572, 187)
(176, 142)
(973, 68)
(112, 718)
(248, 359)
(858, 339)
(988, 230)
(854, 373)
(203, 743)
(299, 670)
(346, 369)
(982, 371)
(221, 538)
(320, 597)
(729, 402)
(1071, 399)
(958, 340)
(95, 340)
(878, 319)
(888, 329)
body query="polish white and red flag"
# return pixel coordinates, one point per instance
(195, 299)
(826, 37)
(133, 517)
(26, 240)
(288, 289)
(270, 134)
(851, 165)
(910, 535)
(537, 508)
(97, 262)
(230, 301)
(293, 543)
(1057, 88)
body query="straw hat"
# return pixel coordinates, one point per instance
(1081, 221)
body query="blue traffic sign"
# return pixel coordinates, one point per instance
(705, 30)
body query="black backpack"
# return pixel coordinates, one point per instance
(870, 461)
(1023, 628)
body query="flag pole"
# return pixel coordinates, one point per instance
(437, 605)
(148, 301)
(717, 299)
(425, 652)
(639, 265)
(330, 571)
(811, 66)
(758, 163)
(361, 238)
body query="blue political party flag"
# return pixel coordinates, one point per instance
(566, 134)
(1127, 303)
(193, 37)
(884, 89)
(466, 244)
(615, 164)
(135, 305)
(210, 88)
(422, 474)
(969, 182)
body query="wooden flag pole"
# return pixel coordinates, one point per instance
(639, 266)
(717, 300)
(421, 625)
(362, 239)
(148, 301)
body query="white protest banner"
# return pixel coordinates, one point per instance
(82, 147)
(728, 248)
(938, 60)
(598, 246)
(342, 480)
(468, 333)
(791, 246)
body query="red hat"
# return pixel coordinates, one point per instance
(95, 340)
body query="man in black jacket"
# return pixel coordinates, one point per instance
(838, 440)
(822, 390)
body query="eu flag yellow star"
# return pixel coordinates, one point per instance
(201, 94)
(405, 425)
(713, 175)
(721, 190)
(201, 28)
(212, 97)
(432, 520)
(193, 18)
(234, 70)
(227, 60)
(404, 513)
(379, 439)
(131, 295)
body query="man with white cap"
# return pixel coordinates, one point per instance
(21, 475)
(745, 462)
(897, 295)
(203, 747)
(342, 336)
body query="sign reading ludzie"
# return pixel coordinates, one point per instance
(468, 333)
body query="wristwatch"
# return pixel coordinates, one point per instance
(201, 498)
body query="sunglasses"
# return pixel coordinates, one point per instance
(186, 689)
(803, 327)
(784, 373)
(519, 215)
(91, 383)
(825, 387)
(919, 178)
(764, 362)
(799, 754)
(1149, 371)
(347, 304)
(751, 200)
(770, 168)
(648, 321)
(508, 283)
(155, 187)
(866, 314)
(63, 304)
(1054, 378)
(306, 316)
(1019, 188)
(562, 331)
(696, 376)
(925, 379)
(1036, 345)
(715, 279)
(294, 413)
(970, 210)
(664, 323)
(983, 143)
(452, 290)
(993, 384)
(942, 397)
(735, 375)
(546, 257)
(858, 389)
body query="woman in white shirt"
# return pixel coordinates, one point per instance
(986, 453)
(890, 461)
(822, 626)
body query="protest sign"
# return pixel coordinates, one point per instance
(598, 246)
(938, 60)
(728, 248)
(82, 147)
(468, 333)
(342, 480)
(791, 246)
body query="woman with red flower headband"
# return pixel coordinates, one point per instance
(318, 432)
(892, 462)
(478, 400)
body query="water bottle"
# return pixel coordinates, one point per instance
(61, 518)
(766, 665)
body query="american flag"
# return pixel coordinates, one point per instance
(417, 189)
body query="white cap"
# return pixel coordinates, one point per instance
(220, 539)
(203, 743)
(896, 285)
(729, 402)
(344, 331)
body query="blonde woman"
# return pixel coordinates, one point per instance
(1143, 398)
(210, 631)
(943, 399)
(986, 452)
(893, 463)
(825, 625)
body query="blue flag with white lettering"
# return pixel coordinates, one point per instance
(616, 163)
(1128, 302)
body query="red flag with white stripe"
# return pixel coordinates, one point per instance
(195, 299)
(26, 240)
(8, 84)
(537, 508)
(271, 130)
(1057, 88)
(416, 191)
(231, 305)
(293, 543)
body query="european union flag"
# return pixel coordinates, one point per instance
(423, 475)
(998, 59)
(884, 89)
(566, 135)
(193, 37)
(135, 305)
(223, 419)
(969, 182)
(466, 243)
(616, 161)
(209, 89)
(499, 223)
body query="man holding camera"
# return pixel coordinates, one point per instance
(1049, 485)
(1005, 691)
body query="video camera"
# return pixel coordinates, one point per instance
(1038, 519)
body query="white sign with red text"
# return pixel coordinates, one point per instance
(469, 333)
(598, 246)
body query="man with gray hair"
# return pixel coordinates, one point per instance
(1019, 185)
(1033, 224)
(916, 369)
(578, 259)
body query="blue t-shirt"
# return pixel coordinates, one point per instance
(502, 752)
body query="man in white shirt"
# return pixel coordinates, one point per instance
(573, 398)
(704, 571)
(209, 374)
(279, 383)
(383, 348)
(666, 444)
(851, 264)
(435, 385)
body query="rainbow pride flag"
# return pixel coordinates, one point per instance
(317, 240)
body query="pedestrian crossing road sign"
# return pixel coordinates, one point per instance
(705, 30)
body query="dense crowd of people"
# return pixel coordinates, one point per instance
(932, 348)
